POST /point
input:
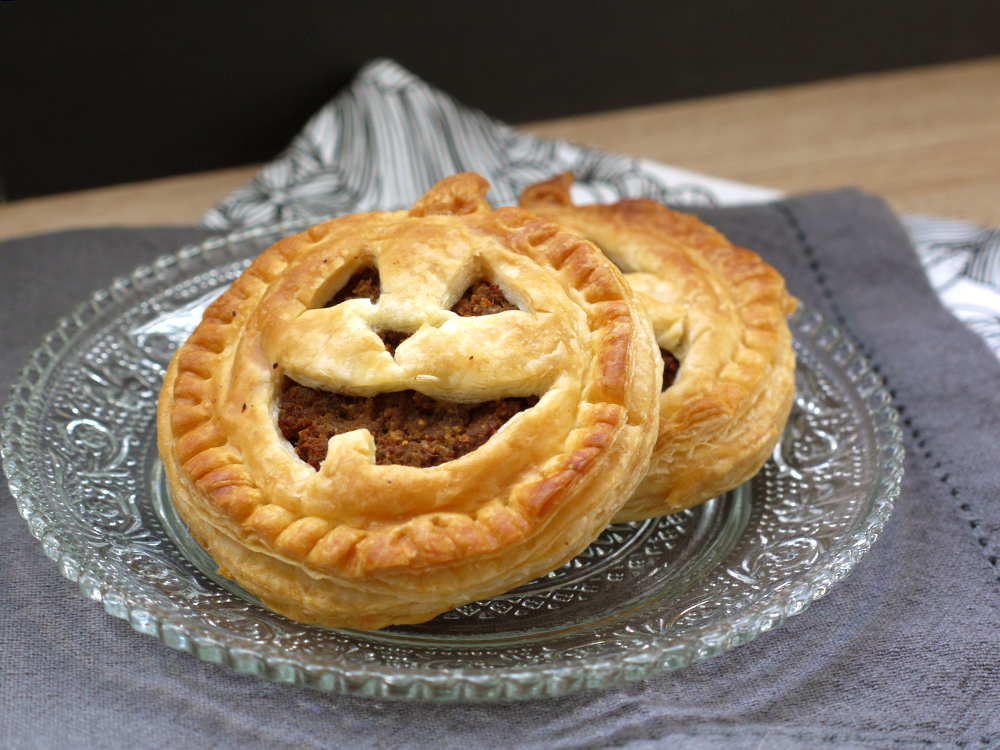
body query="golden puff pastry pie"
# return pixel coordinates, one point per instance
(396, 413)
(719, 313)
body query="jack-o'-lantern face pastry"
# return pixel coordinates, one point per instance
(719, 314)
(396, 413)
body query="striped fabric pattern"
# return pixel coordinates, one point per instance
(389, 136)
(962, 261)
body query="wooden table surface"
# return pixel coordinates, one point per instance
(926, 139)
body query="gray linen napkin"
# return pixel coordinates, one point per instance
(904, 653)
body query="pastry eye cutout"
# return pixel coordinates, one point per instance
(484, 290)
(408, 428)
(364, 283)
(564, 397)
(482, 298)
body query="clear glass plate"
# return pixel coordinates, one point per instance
(79, 449)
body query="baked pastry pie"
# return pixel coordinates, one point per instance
(720, 317)
(396, 413)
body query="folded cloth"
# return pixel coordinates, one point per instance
(962, 261)
(903, 653)
(388, 137)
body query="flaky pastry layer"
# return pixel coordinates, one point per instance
(722, 312)
(357, 544)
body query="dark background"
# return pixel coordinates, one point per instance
(97, 92)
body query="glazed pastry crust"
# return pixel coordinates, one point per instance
(362, 545)
(722, 312)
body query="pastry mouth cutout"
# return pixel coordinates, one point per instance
(719, 314)
(522, 338)
(407, 427)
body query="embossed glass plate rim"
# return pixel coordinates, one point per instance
(647, 655)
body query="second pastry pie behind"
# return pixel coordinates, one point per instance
(719, 313)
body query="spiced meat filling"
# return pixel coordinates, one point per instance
(670, 367)
(482, 298)
(409, 428)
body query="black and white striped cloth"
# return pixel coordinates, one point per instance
(387, 138)
(962, 261)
